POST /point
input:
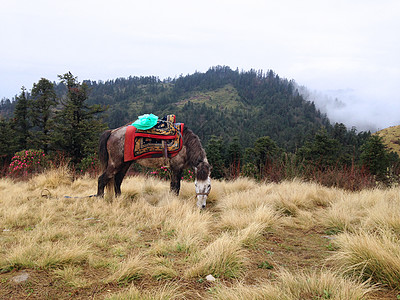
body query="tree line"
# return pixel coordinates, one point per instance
(262, 128)
(322, 154)
(42, 120)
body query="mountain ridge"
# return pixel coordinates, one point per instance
(220, 102)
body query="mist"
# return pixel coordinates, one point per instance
(347, 106)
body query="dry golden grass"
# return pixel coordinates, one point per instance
(154, 239)
(320, 285)
(129, 269)
(223, 257)
(370, 255)
(240, 291)
(166, 292)
(298, 285)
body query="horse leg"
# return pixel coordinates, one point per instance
(103, 180)
(107, 178)
(119, 177)
(176, 181)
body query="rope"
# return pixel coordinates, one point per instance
(90, 196)
(45, 193)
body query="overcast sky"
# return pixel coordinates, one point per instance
(347, 50)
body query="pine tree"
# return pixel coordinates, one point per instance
(8, 145)
(77, 127)
(265, 149)
(215, 156)
(375, 156)
(234, 152)
(21, 120)
(41, 113)
(323, 151)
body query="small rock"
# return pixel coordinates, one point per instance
(329, 237)
(21, 277)
(210, 278)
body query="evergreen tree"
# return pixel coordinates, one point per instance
(21, 121)
(234, 152)
(77, 129)
(323, 151)
(215, 156)
(375, 156)
(265, 149)
(41, 112)
(8, 144)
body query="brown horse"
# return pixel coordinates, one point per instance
(192, 155)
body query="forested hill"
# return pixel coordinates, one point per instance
(220, 102)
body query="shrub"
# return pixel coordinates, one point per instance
(89, 164)
(27, 162)
(162, 173)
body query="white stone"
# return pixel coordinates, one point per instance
(21, 277)
(210, 278)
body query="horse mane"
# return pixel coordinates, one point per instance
(203, 170)
(195, 154)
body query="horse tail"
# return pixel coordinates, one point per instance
(103, 152)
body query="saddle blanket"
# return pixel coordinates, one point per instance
(164, 139)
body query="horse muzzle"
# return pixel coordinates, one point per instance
(202, 200)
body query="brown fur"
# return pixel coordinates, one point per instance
(196, 155)
(203, 171)
(103, 153)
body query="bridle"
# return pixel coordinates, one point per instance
(203, 194)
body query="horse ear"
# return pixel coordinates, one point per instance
(195, 170)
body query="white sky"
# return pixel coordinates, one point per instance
(344, 49)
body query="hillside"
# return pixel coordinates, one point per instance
(219, 102)
(391, 138)
(290, 241)
(236, 107)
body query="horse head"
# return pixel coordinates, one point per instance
(202, 183)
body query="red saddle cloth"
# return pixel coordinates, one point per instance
(164, 138)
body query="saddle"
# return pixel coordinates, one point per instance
(162, 140)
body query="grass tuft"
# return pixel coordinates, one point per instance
(132, 268)
(373, 256)
(222, 258)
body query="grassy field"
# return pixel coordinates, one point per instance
(226, 97)
(291, 240)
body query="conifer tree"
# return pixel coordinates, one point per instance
(77, 127)
(8, 145)
(21, 120)
(215, 156)
(264, 149)
(375, 156)
(323, 151)
(41, 112)
(234, 152)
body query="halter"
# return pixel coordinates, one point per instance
(202, 194)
